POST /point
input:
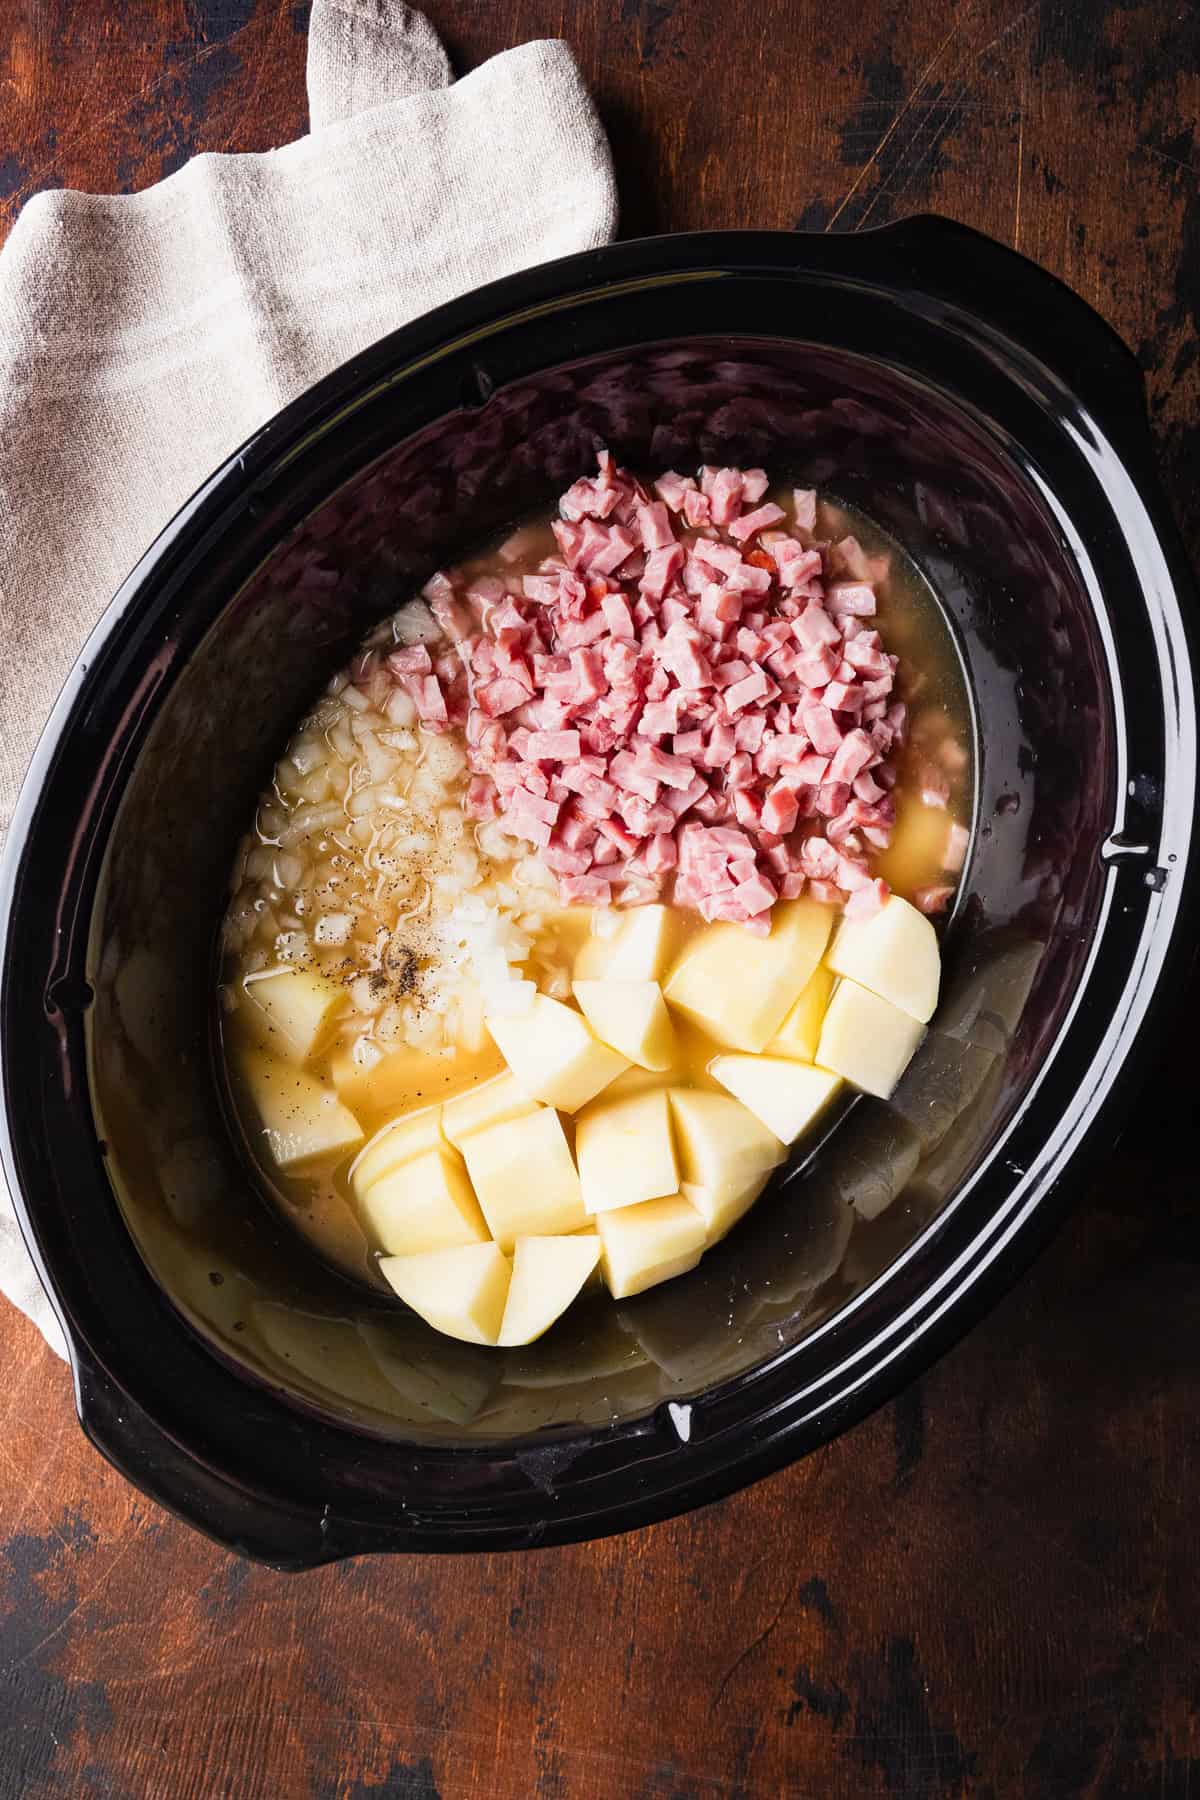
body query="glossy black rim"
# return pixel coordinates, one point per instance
(250, 1468)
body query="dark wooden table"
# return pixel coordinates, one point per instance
(991, 1588)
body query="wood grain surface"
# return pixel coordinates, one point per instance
(989, 1589)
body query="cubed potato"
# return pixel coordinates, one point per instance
(547, 1274)
(721, 1212)
(397, 1143)
(461, 1292)
(431, 1378)
(488, 1104)
(722, 1146)
(554, 1055)
(426, 1203)
(739, 988)
(801, 1030)
(645, 1244)
(867, 1039)
(300, 1119)
(290, 1012)
(787, 1096)
(625, 1151)
(640, 949)
(894, 953)
(631, 1017)
(524, 1177)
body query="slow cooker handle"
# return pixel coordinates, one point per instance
(989, 285)
(256, 1526)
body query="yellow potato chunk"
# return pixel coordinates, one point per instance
(867, 1039)
(721, 1213)
(488, 1104)
(461, 1292)
(722, 1146)
(740, 988)
(397, 1143)
(639, 950)
(548, 1273)
(291, 1011)
(787, 1096)
(643, 1245)
(625, 1151)
(894, 953)
(801, 1030)
(301, 1119)
(424, 1204)
(524, 1177)
(554, 1055)
(631, 1017)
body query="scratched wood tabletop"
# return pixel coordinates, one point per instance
(991, 1588)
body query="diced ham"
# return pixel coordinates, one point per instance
(824, 732)
(696, 509)
(868, 899)
(618, 617)
(413, 660)
(673, 489)
(660, 854)
(804, 508)
(661, 568)
(552, 746)
(725, 497)
(654, 526)
(755, 686)
(933, 899)
(852, 755)
(681, 654)
(755, 895)
(663, 705)
(584, 890)
(857, 597)
(779, 810)
(745, 528)
(611, 554)
(814, 628)
(632, 777)
(720, 746)
(426, 691)
(481, 801)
